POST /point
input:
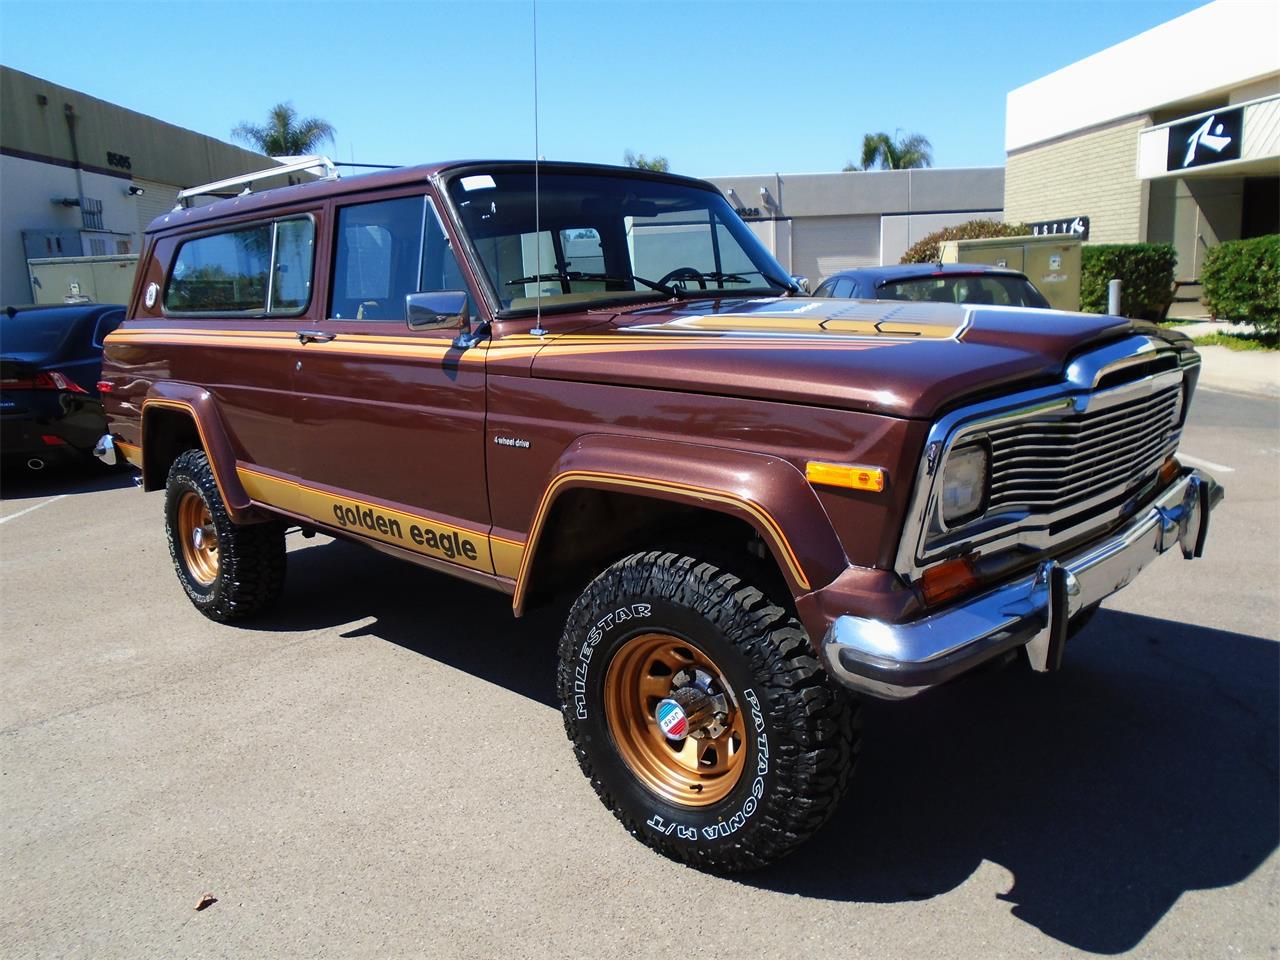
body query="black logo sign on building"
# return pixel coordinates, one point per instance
(1075, 227)
(1212, 139)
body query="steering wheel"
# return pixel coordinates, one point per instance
(683, 273)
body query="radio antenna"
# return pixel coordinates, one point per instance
(538, 330)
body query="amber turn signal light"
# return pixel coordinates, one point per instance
(843, 475)
(948, 580)
(1169, 471)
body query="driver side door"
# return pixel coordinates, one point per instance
(390, 421)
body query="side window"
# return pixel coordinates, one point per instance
(232, 272)
(824, 289)
(385, 251)
(225, 272)
(291, 276)
(843, 287)
(440, 270)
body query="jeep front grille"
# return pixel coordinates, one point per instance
(1048, 466)
(1067, 460)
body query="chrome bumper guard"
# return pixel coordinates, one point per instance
(105, 450)
(898, 660)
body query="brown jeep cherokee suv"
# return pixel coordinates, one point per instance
(591, 381)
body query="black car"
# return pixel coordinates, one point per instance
(50, 362)
(943, 282)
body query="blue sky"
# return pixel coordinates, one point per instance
(719, 88)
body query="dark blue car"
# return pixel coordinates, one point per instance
(939, 282)
(50, 363)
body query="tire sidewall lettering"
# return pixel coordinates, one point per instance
(624, 613)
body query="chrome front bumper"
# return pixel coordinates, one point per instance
(898, 660)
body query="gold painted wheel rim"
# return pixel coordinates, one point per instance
(693, 772)
(198, 538)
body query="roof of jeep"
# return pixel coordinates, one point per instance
(400, 176)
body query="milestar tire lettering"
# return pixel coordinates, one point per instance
(594, 636)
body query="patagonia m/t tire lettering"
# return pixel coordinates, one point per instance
(773, 739)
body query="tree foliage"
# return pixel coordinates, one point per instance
(1145, 272)
(641, 162)
(1242, 283)
(285, 134)
(909, 152)
(929, 247)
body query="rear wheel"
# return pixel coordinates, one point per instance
(699, 713)
(229, 571)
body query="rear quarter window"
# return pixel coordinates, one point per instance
(261, 269)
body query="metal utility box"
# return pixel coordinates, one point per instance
(1051, 262)
(82, 279)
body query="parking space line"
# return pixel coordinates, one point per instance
(44, 503)
(1207, 464)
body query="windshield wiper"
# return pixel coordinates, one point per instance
(570, 276)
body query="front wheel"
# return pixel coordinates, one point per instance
(700, 714)
(229, 571)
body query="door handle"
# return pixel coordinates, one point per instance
(315, 336)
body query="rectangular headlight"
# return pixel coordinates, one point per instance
(964, 483)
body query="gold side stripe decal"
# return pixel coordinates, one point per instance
(132, 452)
(419, 534)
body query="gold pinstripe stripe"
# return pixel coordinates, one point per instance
(670, 486)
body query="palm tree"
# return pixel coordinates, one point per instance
(284, 135)
(894, 153)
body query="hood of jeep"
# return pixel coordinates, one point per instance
(902, 359)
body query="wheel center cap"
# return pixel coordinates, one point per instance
(197, 538)
(671, 720)
(694, 708)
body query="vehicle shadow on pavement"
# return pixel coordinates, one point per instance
(19, 483)
(464, 626)
(1146, 769)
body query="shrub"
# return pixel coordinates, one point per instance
(1241, 280)
(928, 248)
(1145, 272)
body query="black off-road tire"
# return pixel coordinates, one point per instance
(251, 557)
(803, 728)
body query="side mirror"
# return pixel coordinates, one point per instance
(802, 283)
(439, 308)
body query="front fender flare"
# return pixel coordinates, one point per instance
(765, 491)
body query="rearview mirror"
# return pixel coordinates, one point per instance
(439, 308)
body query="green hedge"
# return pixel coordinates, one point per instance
(1241, 281)
(1145, 272)
(928, 248)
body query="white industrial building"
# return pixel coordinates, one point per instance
(817, 224)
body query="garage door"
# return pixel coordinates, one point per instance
(157, 200)
(821, 246)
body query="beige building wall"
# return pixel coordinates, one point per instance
(1092, 173)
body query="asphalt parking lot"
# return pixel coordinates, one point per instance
(379, 769)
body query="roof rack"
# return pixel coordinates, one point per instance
(296, 165)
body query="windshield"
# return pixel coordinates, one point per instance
(607, 238)
(995, 288)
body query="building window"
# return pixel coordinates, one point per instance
(122, 246)
(97, 247)
(91, 213)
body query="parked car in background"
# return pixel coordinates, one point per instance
(50, 362)
(936, 282)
